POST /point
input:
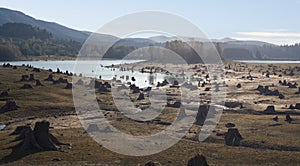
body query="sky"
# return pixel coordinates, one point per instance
(274, 21)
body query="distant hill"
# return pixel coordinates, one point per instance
(58, 31)
(49, 38)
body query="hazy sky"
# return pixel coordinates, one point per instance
(274, 21)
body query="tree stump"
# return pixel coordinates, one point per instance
(233, 137)
(38, 83)
(288, 118)
(198, 160)
(9, 106)
(24, 78)
(37, 139)
(26, 86)
(152, 163)
(50, 78)
(68, 86)
(31, 77)
(141, 96)
(270, 110)
(4, 94)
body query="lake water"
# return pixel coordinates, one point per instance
(267, 61)
(95, 69)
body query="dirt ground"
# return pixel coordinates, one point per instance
(265, 141)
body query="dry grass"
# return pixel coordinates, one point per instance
(42, 103)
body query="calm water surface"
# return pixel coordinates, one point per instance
(97, 68)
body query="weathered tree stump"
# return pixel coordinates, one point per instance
(9, 106)
(198, 160)
(181, 114)
(26, 86)
(50, 78)
(31, 77)
(152, 163)
(38, 83)
(270, 110)
(229, 125)
(141, 96)
(68, 86)
(37, 139)
(288, 118)
(24, 78)
(233, 137)
(4, 94)
(79, 82)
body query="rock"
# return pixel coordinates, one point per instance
(198, 160)
(270, 110)
(233, 137)
(26, 86)
(239, 85)
(9, 106)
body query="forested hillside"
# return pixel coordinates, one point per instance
(18, 39)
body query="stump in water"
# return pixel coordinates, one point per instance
(31, 77)
(152, 163)
(9, 106)
(38, 83)
(198, 160)
(26, 86)
(233, 137)
(50, 78)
